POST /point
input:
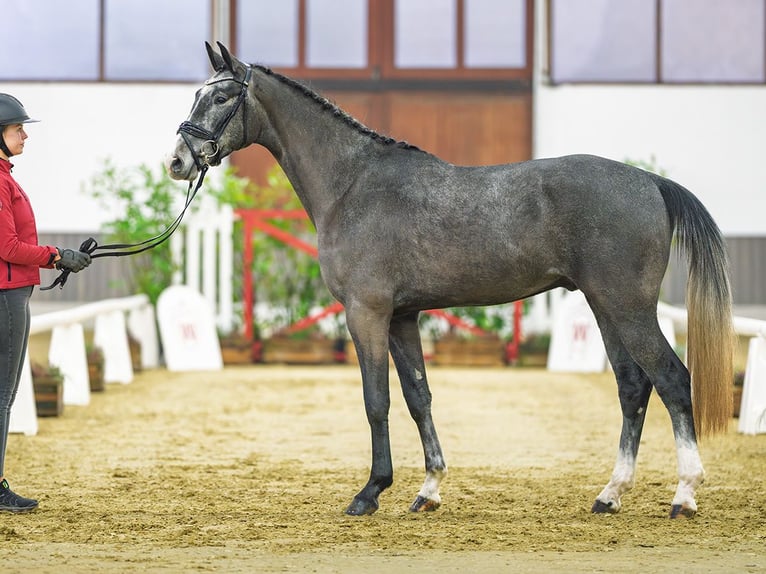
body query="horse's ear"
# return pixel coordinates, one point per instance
(227, 57)
(215, 60)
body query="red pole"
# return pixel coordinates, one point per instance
(247, 279)
(512, 350)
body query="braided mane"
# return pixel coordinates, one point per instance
(335, 110)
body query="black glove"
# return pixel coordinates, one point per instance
(72, 260)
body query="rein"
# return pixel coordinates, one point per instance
(208, 150)
(90, 245)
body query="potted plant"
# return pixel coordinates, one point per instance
(48, 384)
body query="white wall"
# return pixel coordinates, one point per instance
(711, 139)
(80, 125)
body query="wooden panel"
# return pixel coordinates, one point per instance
(466, 129)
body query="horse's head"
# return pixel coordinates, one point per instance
(211, 131)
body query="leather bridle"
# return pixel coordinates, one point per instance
(210, 148)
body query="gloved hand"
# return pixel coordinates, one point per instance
(72, 260)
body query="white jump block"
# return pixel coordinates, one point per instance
(24, 411)
(142, 325)
(111, 335)
(67, 352)
(576, 345)
(188, 331)
(752, 412)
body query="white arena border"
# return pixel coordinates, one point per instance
(67, 350)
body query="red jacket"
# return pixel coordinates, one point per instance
(20, 255)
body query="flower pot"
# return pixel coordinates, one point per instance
(96, 369)
(236, 351)
(315, 351)
(135, 354)
(48, 384)
(475, 352)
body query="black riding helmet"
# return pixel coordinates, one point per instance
(11, 113)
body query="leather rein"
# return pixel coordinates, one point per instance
(208, 151)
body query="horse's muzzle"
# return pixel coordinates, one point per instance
(178, 169)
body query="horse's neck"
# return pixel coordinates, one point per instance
(316, 148)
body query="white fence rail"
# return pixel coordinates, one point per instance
(113, 319)
(752, 411)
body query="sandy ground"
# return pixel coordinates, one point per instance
(250, 469)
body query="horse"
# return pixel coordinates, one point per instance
(400, 231)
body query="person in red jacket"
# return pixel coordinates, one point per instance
(20, 260)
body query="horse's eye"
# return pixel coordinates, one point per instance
(220, 99)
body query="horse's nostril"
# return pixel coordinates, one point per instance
(176, 165)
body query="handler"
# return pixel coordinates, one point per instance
(20, 260)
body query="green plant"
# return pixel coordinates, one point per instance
(45, 371)
(145, 203)
(647, 165)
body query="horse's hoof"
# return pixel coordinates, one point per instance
(361, 507)
(422, 504)
(682, 511)
(604, 507)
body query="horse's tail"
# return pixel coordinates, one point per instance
(710, 342)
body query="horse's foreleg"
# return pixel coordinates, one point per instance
(404, 339)
(369, 332)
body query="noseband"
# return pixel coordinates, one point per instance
(209, 148)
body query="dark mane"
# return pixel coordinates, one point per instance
(335, 110)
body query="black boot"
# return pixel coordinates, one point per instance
(12, 502)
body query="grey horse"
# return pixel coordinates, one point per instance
(400, 231)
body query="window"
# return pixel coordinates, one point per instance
(672, 41)
(425, 35)
(603, 40)
(336, 34)
(387, 38)
(713, 41)
(91, 40)
(460, 39)
(308, 37)
(156, 39)
(41, 30)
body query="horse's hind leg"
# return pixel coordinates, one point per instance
(404, 342)
(634, 389)
(642, 338)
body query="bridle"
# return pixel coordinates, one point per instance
(209, 148)
(208, 151)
